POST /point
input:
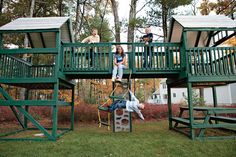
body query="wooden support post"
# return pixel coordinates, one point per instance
(26, 108)
(214, 96)
(55, 111)
(190, 106)
(113, 116)
(169, 106)
(72, 108)
(214, 99)
(130, 115)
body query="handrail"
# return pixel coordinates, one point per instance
(20, 60)
(76, 56)
(13, 67)
(213, 61)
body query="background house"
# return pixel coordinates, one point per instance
(226, 95)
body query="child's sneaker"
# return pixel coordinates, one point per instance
(119, 79)
(113, 79)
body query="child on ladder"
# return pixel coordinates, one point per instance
(119, 64)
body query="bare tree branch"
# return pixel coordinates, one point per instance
(142, 7)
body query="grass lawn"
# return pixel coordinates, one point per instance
(148, 139)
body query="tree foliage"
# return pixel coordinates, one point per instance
(161, 10)
(91, 14)
(225, 7)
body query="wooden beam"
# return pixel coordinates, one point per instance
(42, 39)
(30, 40)
(198, 38)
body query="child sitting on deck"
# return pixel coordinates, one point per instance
(119, 61)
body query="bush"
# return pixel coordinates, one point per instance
(88, 113)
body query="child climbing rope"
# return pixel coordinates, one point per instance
(119, 64)
(130, 105)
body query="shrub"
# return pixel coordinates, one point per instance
(88, 113)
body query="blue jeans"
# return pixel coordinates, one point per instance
(117, 104)
(147, 57)
(119, 69)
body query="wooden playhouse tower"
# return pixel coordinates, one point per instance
(205, 63)
(45, 38)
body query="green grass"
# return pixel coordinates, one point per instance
(148, 139)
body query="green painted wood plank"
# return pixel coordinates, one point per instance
(30, 51)
(28, 80)
(26, 139)
(220, 125)
(215, 137)
(29, 103)
(11, 133)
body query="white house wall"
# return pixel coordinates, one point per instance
(225, 95)
(233, 92)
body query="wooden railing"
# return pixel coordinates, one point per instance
(99, 56)
(156, 56)
(162, 58)
(86, 57)
(213, 61)
(13, 67)
(42, 71)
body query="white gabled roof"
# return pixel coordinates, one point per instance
(211, 21)
(35, 23)
(40, 38)
(200, 29)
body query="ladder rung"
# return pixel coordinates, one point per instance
(122, 83)
(116, 97)
(105, 123)
(95, 83)
(103, 108)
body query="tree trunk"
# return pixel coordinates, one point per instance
(32, 8)
(26, 43)
(1, 6)
(78, 17)
(132, 18)
(164, 20)
(116, 19)
(60, 7)
(31, 12)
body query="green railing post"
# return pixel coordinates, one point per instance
(110, 58)
(62, 58)
(183, 55)
(132, 59)
(1, 42)
(57, 56)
